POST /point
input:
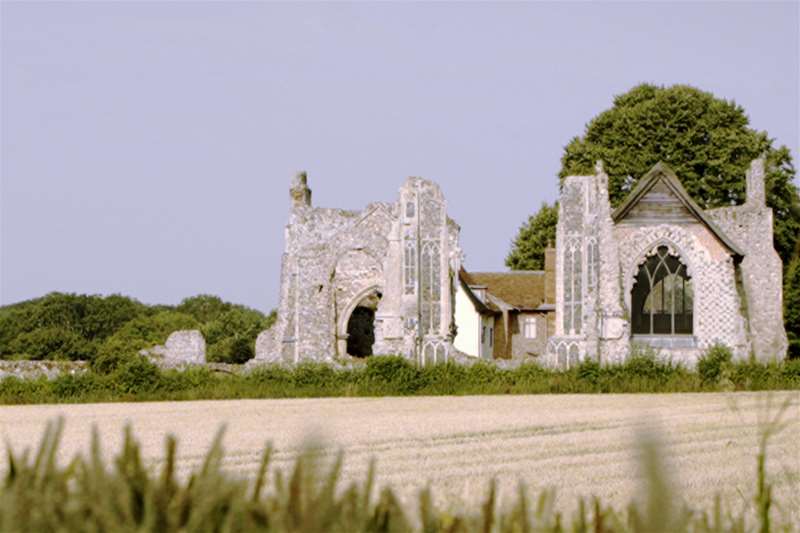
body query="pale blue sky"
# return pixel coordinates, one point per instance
(147, 148)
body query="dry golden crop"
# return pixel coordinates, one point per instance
(579, 445)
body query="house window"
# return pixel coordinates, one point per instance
(491, 336)
(529, 327)
(483, 335)
(662, 298)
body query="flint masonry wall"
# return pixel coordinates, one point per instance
(597, 260)
(395, 259)
(761, 277)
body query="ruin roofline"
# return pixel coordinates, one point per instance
(662, 172)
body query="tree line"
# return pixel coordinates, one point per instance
(106, 330)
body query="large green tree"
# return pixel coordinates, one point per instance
(791, 303)
(527, 250)
(706, 140)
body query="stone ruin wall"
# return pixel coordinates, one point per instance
(183, 347)
(590, 316)
(393, 258)
(599, 259)
(761, 280)
(717, 307)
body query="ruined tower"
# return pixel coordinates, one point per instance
(361, 283)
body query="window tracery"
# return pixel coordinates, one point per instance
(573, 287)
(431, 288)
(410, 266)
(662, 298)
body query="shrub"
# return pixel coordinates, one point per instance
(791, 371)
(52, 342)
(231, 336)
(794, 349)
(714, 363)
(269, 376)
(529, 376)
(589, 371)
(232, 350)
(314, 377)
(444, 378)
(16, 390)
(74, 386)
(642, 363)
(392, 374)
(136, 376)
(484, 376)
(189, 379)
(109, 359)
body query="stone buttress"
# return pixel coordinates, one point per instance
(590, 321)
(761, 277)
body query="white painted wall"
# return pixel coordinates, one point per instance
(468, 322)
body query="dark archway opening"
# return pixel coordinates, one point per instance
(361, 332)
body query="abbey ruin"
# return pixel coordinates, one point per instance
(661, 272)
(378, 281)
(658, 271)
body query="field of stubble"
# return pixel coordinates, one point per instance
(579, 445)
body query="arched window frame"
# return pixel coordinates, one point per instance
(592, 263)
(410, 266)
(662, 263)
(573, 287)
(431, 287)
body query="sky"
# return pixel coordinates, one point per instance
(147, 148)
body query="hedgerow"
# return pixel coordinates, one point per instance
(139, 380)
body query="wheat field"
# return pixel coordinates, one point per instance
(579, 445)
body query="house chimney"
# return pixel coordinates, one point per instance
(755, 183)
(550, 274)
(300, 193)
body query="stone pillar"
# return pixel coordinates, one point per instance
(300, 193)
(762, 273)
(614, 329)
(756, 196)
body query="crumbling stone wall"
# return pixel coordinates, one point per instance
(597, 260)
(37, 369)
(395, 259)
(750, 227)
(182, 347)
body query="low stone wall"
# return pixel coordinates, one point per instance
(38, 369)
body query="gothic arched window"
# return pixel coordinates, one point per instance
(573, 292)
(593, 260)
(431, 288)
(662, 298)
(410, 266)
